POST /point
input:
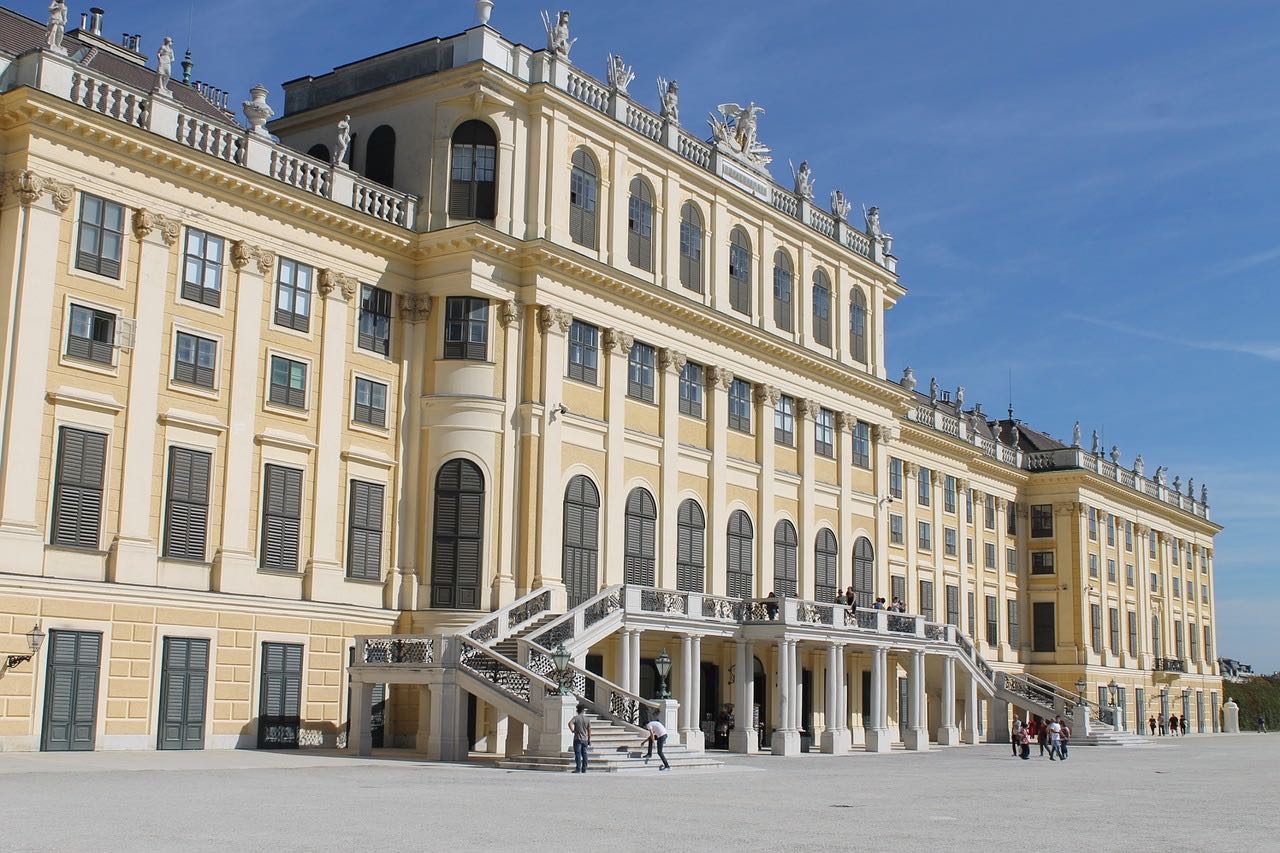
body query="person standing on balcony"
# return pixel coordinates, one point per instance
(657, 735)
(580, 725)
(771, 606)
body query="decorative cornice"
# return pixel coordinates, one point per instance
(145, 222)
(671, 359)
(509, 313)
(331, 282)
(721, 377)
(414, 308)
(619, 341)
(550, 317)
(242, 253)
(768, 394)
(30, 186)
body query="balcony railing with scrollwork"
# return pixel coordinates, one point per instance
(721, 609)
(815, 614)
(516, 682)
(901, 624)
(661, 601)
(601, 607)
(500, 623)
(397, 650)
(1170, 665)
(591, 689)
(934, 631)
(535, 606)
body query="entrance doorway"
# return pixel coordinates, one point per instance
(280, 703)
(71, 691)
(758, 712)
(183, 691)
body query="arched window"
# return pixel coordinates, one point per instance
(581, 539)
(457, 536)
(740, 563)
(821, 308)
(641, 538)
(691, 547)
(784, 558)
(691, 247)
(320, 152)
(740, 271)
(582, 199)
(864, 571)
(825, 557)
(858, 325)
(473, 174)
(782, 277)
(640, 225)
(380, 156)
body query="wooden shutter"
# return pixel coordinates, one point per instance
(183, 693)
(641, 533)
(77, 509)
(364, 531)
(784, 558)
(826, 553)
(458, 536)
(690, 547)
(740, 566)
(71, 691)
(187, 506)
(282, 512)
(581, 538)
(953, 606)
(926, 600)
(864, 571)
(281, 698)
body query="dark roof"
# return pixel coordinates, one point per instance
(1029, 440)
(20, 34)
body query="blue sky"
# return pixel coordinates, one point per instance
(1083, 195)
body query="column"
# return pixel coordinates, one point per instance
(743, 737)
(503, 591)
(718, 381)
(917, 735)
(785, 740)
(670, 363)
(235, 567)
(361, 740)
(414, 313)
(835, 736)
(634, 686)
(766, 399)
(624, 660)
(697, 738)
(30, 255)
(876, 330)
(877, 732)
(617, 349)
(687, 724)
(971, 712)
(133, 557)
(324, 579)
(948, 732)
(554, 325)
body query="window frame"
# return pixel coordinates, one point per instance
(862, 445)
(374, 417)
(693, 380)
(466, 328)
(196, 291)
(691, 252)
(740, 406)
(824, 433)
(1043, 563)
(858, 326)
(375, 314)
(783, 291)
(470, 195)
(189, 506)
(583, 353)
(288, 518)
(642, 372)
(640, 223)
(290, 397)
(821, 299)
(93, 349)
(1042, 521)
(372, 528)
(290, 317)
(95, 261)
(739, 271)
(190, 373)
(784, 421)
(584, 199)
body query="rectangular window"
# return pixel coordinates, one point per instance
(1151, 544)
(784, 421)
(186, 513)
(91, 335)
(824, 433)
(949, 540)
(101, 238)
(1177, 552)
(1204, 560)
(949, 493)
(1011, 519)
(371, 403)
(364, 531)
(1132, 618)
(1041, 520)
(968, 550)
(584, 352)
(640, 366)
(1177, 587)
(1093, 524)
(926, 600)
(466, 328)
(1093, 565)
(293, 295)
(1111, 571)
(77, 490)
(1111, 530)
(1113, 625)
(1208, 644)
(194, 359)
(924, 486)
(898, 587)
(1015, 635)
(1128, 535)
(925, 536)
(1178, 640)
(973, 616)
(990, 519)
(993, 621)
(989, 555)
(968, 508)
(288, 382)
(953, 606)
(1042, 563)
(1095, 626)
(1204, 593)
(1155, 582)
(862, 445)
(740, 406)
(375, 320)
(692, 381)
(202, 268)
(895, 478)
(1194, 640)
(1128, 575)
(895, 529)
(1011, 560)
(281, 518)
(1043, 627)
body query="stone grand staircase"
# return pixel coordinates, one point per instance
(614, 748)
(1047, 699)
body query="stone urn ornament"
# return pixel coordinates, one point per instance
(484, 8)
(257, 110)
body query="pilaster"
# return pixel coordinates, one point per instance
(554, 325)
(670, 363)
(766, 398)
(617, 349)
(415, 310)
(503, 591)
(806, 420)
(717, 513)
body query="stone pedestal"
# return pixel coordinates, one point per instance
(836, 741)
(878, 740)
(1231, 717)
(1080, 721)
(948, 736)
(785, 743)
(744, 741)
(554, 738)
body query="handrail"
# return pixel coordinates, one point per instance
(565, 628)
(497, 625)
(507, 676)
(622, 705)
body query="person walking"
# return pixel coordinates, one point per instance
(1042, 737)
(580, 725)
(1173, 725)
(1162, 723)
(1262, 724)
(657, 735)
(1025, 744)
(1185, 726)
(1064, 736)
(1016, 740)
(1152, 723)
(1055, 734)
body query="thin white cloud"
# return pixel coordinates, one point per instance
(1248, 262)
(1267, 350)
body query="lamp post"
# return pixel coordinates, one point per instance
(663, 665)
(35, 639)
(560, 660)
(1115, 692)
(1081, 686)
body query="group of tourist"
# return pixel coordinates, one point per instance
(1172, 726)
(580, 726)
(1052, 736)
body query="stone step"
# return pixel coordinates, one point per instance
(610, 762)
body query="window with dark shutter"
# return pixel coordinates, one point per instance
(740, 406)
(740, 564)
(1113, 622)
(91, 334)
(77, 490)
(784, 558)
(473, 174)
(740, 272)
(862, 450)
(864, 571)
(1095, 626)
(194, 360)
(898, 587)
(375, 320)
(826, 555)
(640, 372)
(973, 616)
(824, 433)
(640, 538)
(1043, 627)
(858, 325)
(288, 382)
(281, 518)
(821, 308)
(581, 539)
(691, 238)
(293, 295)
(466, 328)
(953, 606)
(784, 421)
(640, 225)
(457, 536)
(280, 701)
(993, 621)
(582, 199)
(202, 268)
(71, 691)
(186, 516)
(926, 600)
(1015, 632)
(692, 382)
(364, 531)
(782, 278)
(371, 403)
(101, 236)
(380, 155)
(584, 352)
(691, 550)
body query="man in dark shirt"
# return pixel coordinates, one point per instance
(580, 725)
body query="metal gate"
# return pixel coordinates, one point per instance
(183, 692)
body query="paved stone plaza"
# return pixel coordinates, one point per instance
(1196, 794)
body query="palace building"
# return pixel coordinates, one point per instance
(471, 379)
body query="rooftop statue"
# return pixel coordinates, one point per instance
(558, 41)
(619, 74)
(1162, 474)
(1115, 454)
(164, 66)
(960, 398)
(872, 216)
(1204, 495)
(344, 143)
(669, 99)
(803, 178)
(1075, 435)
(840, 206)
(1139, 465)
(1097, 444)
(57, 26)
(735, 130)
(1191, 487)
(933, 389)
(908, 380)
(1177, 484)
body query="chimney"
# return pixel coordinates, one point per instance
(95, 20)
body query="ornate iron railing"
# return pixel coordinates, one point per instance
(535, 606)
(723, 609)
(398, 650)
(504, 674)
(1170, 665)
(659, 601)
(815, 614)
(602, 607)
(935, 632)
(866, 619)
(902, 624)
